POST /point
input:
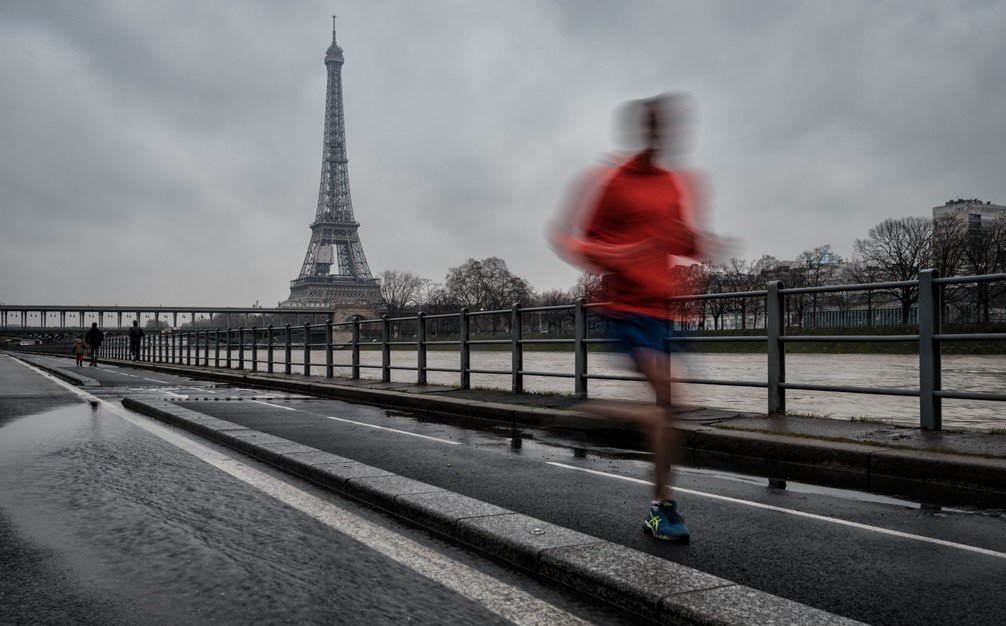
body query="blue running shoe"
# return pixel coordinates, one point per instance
(664, 522)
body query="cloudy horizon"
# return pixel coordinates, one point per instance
(169, 153)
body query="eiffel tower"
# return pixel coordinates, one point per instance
(335, 243)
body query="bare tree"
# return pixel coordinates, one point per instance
(949, 242)
(486, 285)
(818, 265)
(899, 248)
(552, 321)
(590, 287)
(739, 275)
(861, 271)
(985, 253)
(401, 292)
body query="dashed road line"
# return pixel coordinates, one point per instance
(278, 406)
(394, 430)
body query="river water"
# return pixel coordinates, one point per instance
(960, 373)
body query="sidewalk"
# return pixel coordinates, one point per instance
(944, 468)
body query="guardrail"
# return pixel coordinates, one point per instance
(216, 348)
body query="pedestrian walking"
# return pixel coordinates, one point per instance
(632, 223)
(79, 348)
(94, 337)
(135, 339)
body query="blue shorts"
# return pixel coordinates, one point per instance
(634, 331)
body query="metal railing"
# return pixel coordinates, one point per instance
(215, 348)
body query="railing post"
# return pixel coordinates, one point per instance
(775, 328)
(329, 369)
(216, 347)
(197, 348)
(287, 355)
(241, 348)
(254, 332)
(268, 350)
(188, 347)
(355, 372)
(516, 350)
(307, 348)
(930, 405)
(465, 352)
(580, 349)
(421, 348)
(385, 349)
(229, 348)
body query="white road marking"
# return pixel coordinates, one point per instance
(502, 599)
(375, 426)
(278, 406)
(177, 395)
(394, 430)
(154, 380)
(779, 509)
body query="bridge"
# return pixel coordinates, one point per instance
(55, 322)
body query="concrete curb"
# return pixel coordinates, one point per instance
(649, 586)
(940, 477)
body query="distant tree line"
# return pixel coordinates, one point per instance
(895, 250)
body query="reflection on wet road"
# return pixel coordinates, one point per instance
(101, 521)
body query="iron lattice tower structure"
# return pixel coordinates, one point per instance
(335, 241)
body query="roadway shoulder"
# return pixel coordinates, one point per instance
(73, 378)
(655, 588)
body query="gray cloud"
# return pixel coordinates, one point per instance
(170, 152)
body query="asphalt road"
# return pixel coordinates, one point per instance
(873, 559)
(109, 517)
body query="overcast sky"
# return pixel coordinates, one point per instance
(169, 152)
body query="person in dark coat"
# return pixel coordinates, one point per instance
(94, 337)
(135, 337)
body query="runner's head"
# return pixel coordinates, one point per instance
(657, 125)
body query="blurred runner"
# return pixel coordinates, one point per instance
(633, 222)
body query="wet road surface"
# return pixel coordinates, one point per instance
(109, 517)
(874, 559)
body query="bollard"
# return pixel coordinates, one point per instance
(421, 348)
(355, 372)
(930, 405)
(775, 328)
(385, 350)
(287, 357)
(580, 349)
(329, 368)
(465, 350)
(268, 350)
(307, 348)
(516, 349)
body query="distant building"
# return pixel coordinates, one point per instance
(972, 212)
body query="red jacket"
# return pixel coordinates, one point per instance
(641, 220)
